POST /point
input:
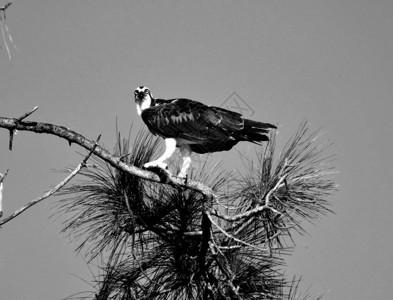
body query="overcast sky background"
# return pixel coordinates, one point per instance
(329, 62)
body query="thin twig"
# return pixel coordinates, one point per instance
(228, 207)
(214, 249)
(4, 7)
(258, 208)
(231, 236)
(11, 140)
(24, 116)
(52, 191)
(193, 233)
(2, 25)
(4, 39)
(2, 177)
(235, 247)
(14, 131)
(246, 214)
(275, 188)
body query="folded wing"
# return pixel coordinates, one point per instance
(204, 128)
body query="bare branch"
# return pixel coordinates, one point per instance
(74, 137)
(3, 8)
(52, 191)
(275, 188)
(193, 233)
(226, 270)
(231, 236)
(24, 116)
(14, 131)
(257, 209)
(2, 177)
(4, 29)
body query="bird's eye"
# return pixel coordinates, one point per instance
(147, 92)
(135, 92)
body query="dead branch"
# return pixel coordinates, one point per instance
(246, 214)
(4, 7)
(74, 137)
(14, 131)
(52, 191)
(4, 29)
(226, 270)
(257, 209)
(230, 236)
(2, 177)
(25, 115)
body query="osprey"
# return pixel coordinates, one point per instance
(194, 127)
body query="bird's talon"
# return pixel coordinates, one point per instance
(183, 176)
(155, 164)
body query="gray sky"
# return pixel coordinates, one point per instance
(329, 62)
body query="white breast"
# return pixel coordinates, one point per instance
(140, 106)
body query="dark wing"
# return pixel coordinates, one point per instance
(182, 118)
(205, 128)
(241, 129)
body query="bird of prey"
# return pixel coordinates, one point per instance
(194, 127)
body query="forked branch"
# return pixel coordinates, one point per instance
(5, 6)
(52, 191)
(4, 29)
(259, 208)
(71, 136)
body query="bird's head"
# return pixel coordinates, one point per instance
(143, 99)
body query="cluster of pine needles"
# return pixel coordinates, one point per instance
(148, 237)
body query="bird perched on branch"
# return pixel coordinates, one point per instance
(194, 127)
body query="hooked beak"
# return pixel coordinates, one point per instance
(139, 96)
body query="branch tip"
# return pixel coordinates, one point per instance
(2, 177)
(5, 6)
(12, 131)
(24, 116)
(48, 194)
(98, 138)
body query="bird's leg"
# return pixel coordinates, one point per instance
(170, 147)
(185, 151)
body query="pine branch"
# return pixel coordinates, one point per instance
(71, 136)
(159, 236)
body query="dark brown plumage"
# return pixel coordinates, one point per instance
(204, 128)
(195, 127)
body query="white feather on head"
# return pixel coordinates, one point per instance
(142, 102)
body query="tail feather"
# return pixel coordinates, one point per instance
(254, 124)
(256, 132)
